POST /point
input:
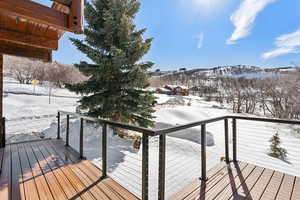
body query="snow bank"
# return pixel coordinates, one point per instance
(177, 100)
(191, 134)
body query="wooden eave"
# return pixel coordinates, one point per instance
(34, 28)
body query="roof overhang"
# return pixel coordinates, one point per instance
(32, 30)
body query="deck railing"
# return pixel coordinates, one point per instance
(2, 132)
(162, 133)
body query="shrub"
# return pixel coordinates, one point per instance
(275, 150)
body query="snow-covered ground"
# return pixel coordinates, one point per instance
(13, 86)
(27, 109)
(31, 116)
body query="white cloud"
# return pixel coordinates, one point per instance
(244, 17)
(200, 39)
(286, 44)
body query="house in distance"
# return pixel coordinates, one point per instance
(173, 90)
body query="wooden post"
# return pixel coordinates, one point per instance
(76, 16)
(2, 136)
(3, 132)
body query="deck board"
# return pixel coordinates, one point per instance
(244, 189)
(30, 186)
(231, 182)
(286, 188)
(17, 186)
(81, 180)
(59, 187)
(76, 181)
(91, 174)
(240, 181)
(5, 183)
(296, 189)
(274, 185)
(40, 180)
(214, 173)
(47, 170)
(260, 186)
(217, 184)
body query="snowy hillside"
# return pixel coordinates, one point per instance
(232, 71)
(30, 117)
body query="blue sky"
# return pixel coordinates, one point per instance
(208, 33)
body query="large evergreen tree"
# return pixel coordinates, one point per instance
(117, 80)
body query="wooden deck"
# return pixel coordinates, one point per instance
(243, 181)
(47, 170)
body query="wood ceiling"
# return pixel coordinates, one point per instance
(32, 30)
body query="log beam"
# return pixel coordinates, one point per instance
(35, 12)
(28, 39)
(76, 16)
(25, 51)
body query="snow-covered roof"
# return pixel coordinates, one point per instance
(176, 86)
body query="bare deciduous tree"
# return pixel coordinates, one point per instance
(25, 70)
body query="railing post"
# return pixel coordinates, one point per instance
(3, 138)
(234, 147)
(145, 167)
(226, 141)
(104, 150)
(203, 152)
(2, 132)
(58, 125)
(68, 130)
(162, 167)
(81, 139)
